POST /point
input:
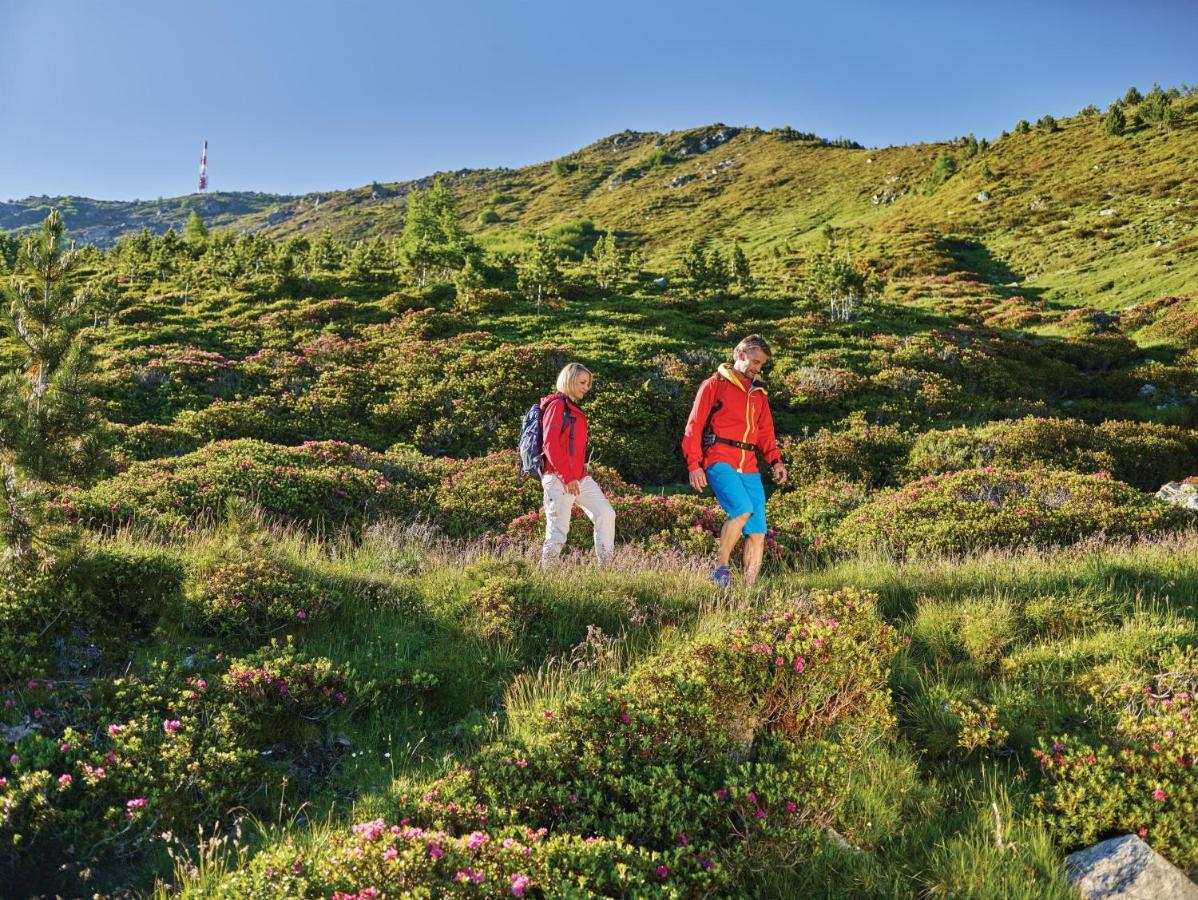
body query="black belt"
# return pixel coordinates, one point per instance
(709, 439)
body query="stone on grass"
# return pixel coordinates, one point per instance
(1126, 868)
(1179, 493)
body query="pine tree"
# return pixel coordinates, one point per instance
(695, 266)
(195, 232)
(367, 259)
(1157, 109)
(468, 281)
(539, 273)
(741, 274)
(718, 273)
(50, 427)
(326, 254)
(9, 246)
(606, 262)
(434, 242)
(1115, 122)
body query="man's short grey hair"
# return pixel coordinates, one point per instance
(753, 342)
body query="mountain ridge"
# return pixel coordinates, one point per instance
(1062, 205)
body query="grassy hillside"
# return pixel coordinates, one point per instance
(273, 626)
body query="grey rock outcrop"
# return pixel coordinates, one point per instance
(1126, 868)
(620, 177)
(702, 141)
(982, 196)
(1179, 493)
(681, 180)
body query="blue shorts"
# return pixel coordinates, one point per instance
(739, 493)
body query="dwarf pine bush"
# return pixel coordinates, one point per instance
(990, 507)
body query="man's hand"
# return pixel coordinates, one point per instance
(698, 479)
(779, 472)
(573, 488)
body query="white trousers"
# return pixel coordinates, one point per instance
(559, 504)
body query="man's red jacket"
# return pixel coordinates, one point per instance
(565, 447)
(743, 415)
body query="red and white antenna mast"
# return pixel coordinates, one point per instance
(203, 183)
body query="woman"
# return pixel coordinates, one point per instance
(564, 479)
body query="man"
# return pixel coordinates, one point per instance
(729, 423)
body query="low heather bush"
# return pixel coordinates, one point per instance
(727, 754)
(1137, 777)
(256, 596)
(859, 452)
(994, 507)
(1143, 454)
(322, 483)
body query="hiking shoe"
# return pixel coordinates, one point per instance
(722, 577)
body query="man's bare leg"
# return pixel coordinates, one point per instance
(729, 535)
(754, 550)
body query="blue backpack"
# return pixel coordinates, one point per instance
(532, 450)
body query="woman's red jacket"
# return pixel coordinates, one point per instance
(565, 447)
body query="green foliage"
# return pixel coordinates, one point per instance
(467, 283)
(195, 232)
(1138, 776)
(738, 269)
(1047, 123)
(607, 264)
(138, 757)
(540, 276)
(803, 520)
(284, 695)
(706, 271)
(317, 484)
(256, 596)
(1022, 127)
(1115, 122)
(1157, 109)
(433, 244)
(996, 507)
(49, 427)
(679, 781)
(861, 453)
(836, 278)
(1144, 455)
(944, 168)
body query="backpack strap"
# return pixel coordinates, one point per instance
(568, 418)
(709, 437)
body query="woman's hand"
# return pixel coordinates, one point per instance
(573, 488)
(698, 479)
(779, 472)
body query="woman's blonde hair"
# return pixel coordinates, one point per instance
(568, 375)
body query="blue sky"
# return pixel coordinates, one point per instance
(112, 99)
